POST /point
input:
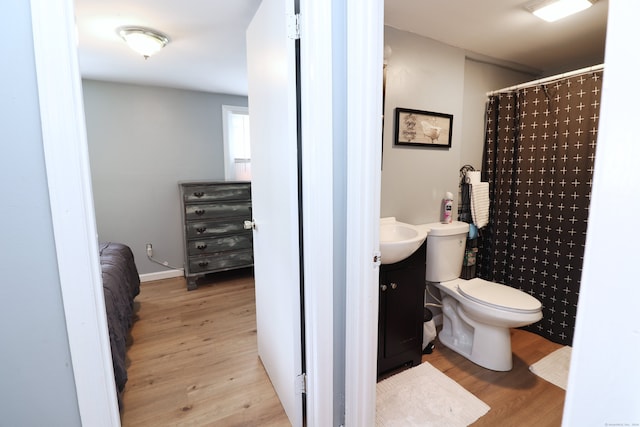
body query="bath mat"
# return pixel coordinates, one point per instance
(424, 396)
(554, 367)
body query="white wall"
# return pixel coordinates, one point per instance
(142, 141)
(424, 74)
(604, 374)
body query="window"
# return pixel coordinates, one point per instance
(237, 150)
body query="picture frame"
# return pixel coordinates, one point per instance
(417, 128)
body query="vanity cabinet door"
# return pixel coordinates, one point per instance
(400, 314)
(401, 297)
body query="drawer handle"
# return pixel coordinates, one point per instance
(383, 287)
(201, 230)
(198, 194)
(199, 211)
(203, 263)
(201, 246)
(394, 285)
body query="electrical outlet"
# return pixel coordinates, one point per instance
(149, 250)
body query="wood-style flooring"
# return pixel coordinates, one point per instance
(517, 398)
(194, 359)
(193, 362)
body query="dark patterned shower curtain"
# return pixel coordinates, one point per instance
(539, 156)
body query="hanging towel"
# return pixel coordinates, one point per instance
(480, 203)
(473, 177)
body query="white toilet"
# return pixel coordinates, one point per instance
(477, 313)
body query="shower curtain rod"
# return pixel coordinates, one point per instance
(548, 79)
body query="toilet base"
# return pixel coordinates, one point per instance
(485, 345)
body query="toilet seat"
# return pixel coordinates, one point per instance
(498, 296)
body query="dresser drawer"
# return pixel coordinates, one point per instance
(217, 210)
(219, 244)
(221, 261)
(214, 238)
(216, 228)
(206, 193)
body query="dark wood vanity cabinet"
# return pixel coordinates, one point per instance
(401, 312)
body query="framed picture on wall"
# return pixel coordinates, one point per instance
(418, 128)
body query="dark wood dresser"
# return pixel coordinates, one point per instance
(213, 216)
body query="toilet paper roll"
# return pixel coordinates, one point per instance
(473, 177)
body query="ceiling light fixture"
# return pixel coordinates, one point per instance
(552, 10)
(145, 41)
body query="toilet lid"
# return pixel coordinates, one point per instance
(498, 296)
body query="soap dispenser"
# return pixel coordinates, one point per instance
(447, 208)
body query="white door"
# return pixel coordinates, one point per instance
(272, 107)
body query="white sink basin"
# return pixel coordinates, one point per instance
(399, 240)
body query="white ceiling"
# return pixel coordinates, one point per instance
(207, 48)
(206, 51)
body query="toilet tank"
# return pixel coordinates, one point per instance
(445, 250)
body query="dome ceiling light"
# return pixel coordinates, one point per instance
(144, 41)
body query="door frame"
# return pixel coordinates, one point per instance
(365, 34)
(321, 84)
(317, 201)
(72, 211)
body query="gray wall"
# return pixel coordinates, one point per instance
(142, 141)
(37, 387)
(424, 74)
(340, 166)
(480, 78)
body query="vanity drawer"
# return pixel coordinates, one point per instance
(221, 261)
(206, 193)
(219, 244)
(200, 229)
(217, 210)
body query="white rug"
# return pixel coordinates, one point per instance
(424, 396)
(554, 367)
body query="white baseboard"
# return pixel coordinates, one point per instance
(159, 275)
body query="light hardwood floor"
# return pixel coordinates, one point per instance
(193, 362)
(517, 398)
